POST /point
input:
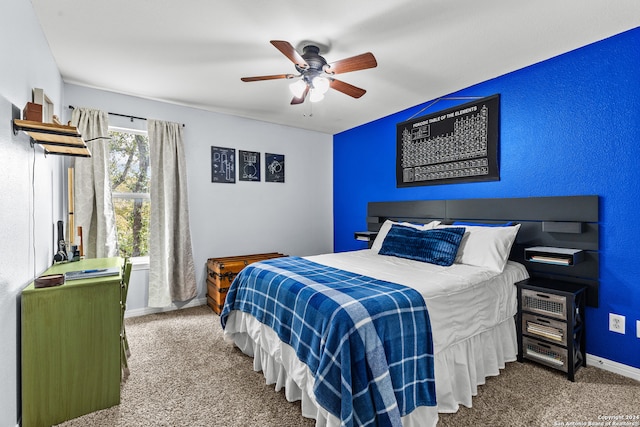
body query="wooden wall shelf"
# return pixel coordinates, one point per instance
(54, 138)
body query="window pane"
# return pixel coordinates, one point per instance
(129, 172)
(129, 162)
(132, 223)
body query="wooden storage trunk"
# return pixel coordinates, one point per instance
(222, 271)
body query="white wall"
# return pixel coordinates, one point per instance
(30, 184)
(295, 218)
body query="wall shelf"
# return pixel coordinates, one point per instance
(556, 256)
(54, 138)
(365, 236)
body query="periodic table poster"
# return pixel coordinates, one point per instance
(456, 145)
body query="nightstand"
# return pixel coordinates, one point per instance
(550, 324)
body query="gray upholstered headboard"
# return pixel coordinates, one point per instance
(563, 221)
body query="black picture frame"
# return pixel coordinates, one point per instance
(455, 145)
(274, 167)
(223, 165)
(249, 165)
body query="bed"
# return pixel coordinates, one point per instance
(469, 334)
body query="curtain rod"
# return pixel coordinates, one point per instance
(122, 115)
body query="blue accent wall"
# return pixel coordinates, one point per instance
(569, 126)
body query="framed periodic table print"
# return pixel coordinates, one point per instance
(456, 145)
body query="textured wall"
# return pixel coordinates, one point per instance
(569, 126)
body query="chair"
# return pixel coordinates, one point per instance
(124, 343)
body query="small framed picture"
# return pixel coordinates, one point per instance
(249, 165)
(223, 165)
(274, 167)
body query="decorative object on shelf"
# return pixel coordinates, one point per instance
(274, 167)
(223, 165)
(249, 168)
(39, 97)
(32, 112)
(456, 145)
(55, 139)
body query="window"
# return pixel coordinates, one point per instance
(130, 172)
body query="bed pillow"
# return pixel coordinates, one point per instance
(386, 226)
(487, 246)
(435, 246)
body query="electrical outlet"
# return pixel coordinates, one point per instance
(616, 323)
(638, 328)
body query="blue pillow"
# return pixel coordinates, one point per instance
(436, 246)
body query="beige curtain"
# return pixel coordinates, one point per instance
(171, 269)
(93, 208)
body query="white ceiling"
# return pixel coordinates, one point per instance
(193, 52)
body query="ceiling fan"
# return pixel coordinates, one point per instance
(316, 74)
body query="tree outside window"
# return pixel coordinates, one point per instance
(129, 172)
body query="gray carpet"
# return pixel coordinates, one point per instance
(184, 374)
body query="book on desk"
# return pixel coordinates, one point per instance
(89, 274)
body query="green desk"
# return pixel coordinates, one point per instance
(71, 345)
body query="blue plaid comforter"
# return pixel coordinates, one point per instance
(366, 341)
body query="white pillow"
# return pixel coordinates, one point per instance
(486, 246)
(386, 226)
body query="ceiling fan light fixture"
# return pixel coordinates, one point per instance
(320, 84)
(297, 88)
(315, 95)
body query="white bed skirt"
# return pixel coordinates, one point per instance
(459, 369)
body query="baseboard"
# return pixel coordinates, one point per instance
(615, 367)
(151, 310)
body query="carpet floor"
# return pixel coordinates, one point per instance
(183, 373)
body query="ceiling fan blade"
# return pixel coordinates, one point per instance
(273, 77)
(355, 63)
(347, 88)
(296, 100)
(290, 52)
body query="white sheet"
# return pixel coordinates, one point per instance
(462, 300)
(471, 312)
